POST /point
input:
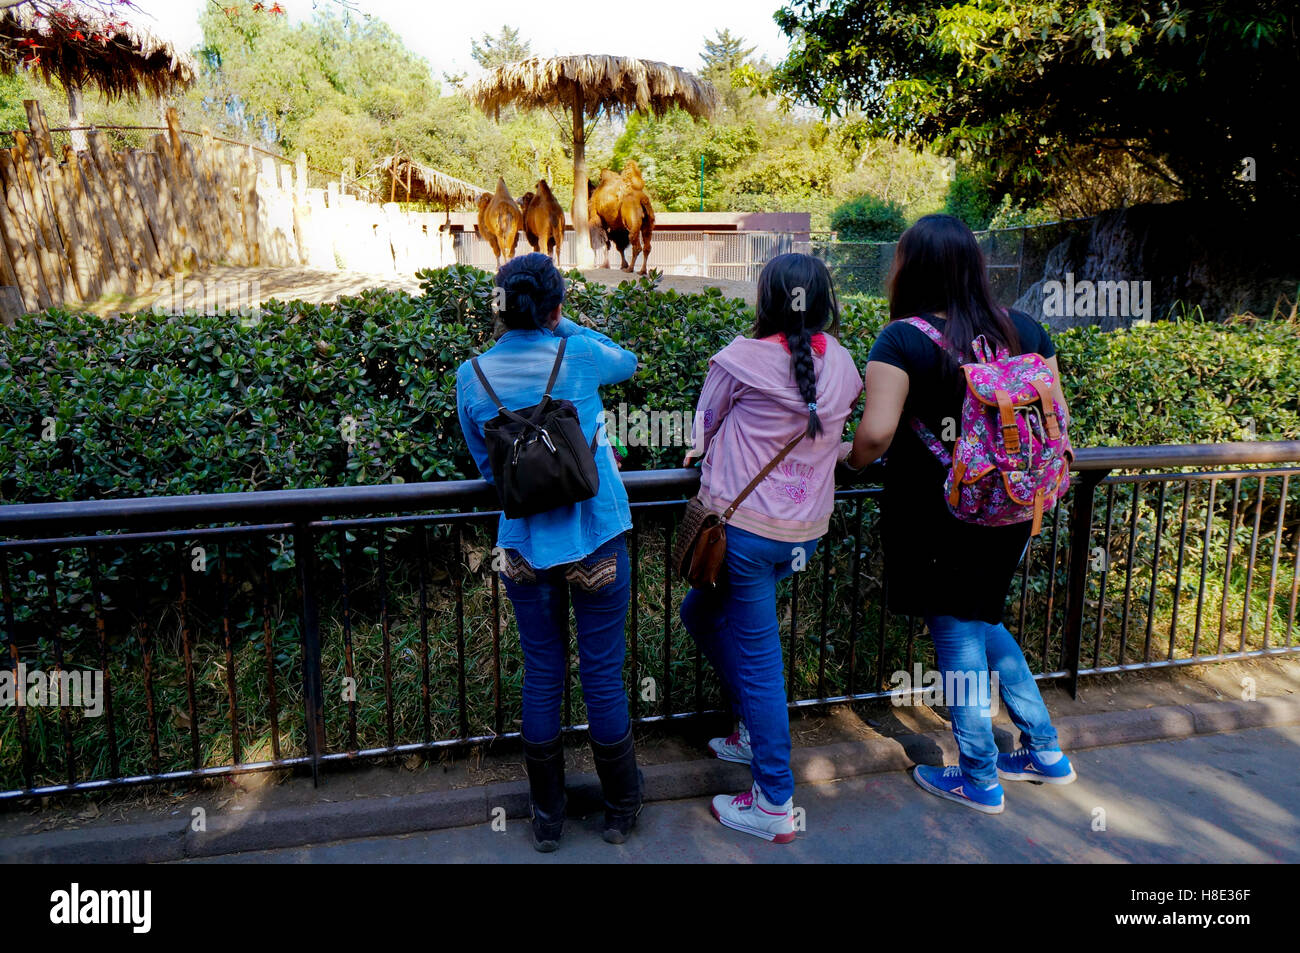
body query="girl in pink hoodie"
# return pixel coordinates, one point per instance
(790, 379)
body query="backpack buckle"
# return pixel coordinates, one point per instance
(523, 441)
(1031, 416)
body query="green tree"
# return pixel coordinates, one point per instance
(506, 47)
(868, 218)
(724, 53)
(1186, 90)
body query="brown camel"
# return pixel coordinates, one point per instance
(499, 221)
(543, 220)
(621, 212)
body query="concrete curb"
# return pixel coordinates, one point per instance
(156, 842)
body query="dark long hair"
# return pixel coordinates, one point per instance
(938, 266)
(532, 287)
(796, 298)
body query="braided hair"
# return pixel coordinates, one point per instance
(530, 288)
(796, 298)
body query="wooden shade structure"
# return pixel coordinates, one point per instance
(587, 85)
(82, 45)
(409, 181)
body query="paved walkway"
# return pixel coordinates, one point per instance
(1218, 798)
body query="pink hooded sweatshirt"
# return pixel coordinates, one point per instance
(750, 407)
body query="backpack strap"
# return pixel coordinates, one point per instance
(550, 383)
(1010, 428)
(958, 474)
(932, 443)
(482, 379)
(1049, 410)
(555, 368)
(928, 329)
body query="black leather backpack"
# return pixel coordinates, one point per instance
(540, 460)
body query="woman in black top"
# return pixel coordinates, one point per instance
(954, 574)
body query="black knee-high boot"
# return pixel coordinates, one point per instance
(546, 798)
(621, 783)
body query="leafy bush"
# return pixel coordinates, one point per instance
(868, 219)
(363, 391)
(971, 197)
(1011, 214)
(1182, 382)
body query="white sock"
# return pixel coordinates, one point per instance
(1049, 757)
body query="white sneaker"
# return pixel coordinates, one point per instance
(735, 747)
(754, 814)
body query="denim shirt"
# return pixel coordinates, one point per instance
(517, 367)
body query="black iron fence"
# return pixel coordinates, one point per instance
(183, 638)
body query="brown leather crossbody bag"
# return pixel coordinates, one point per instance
(700, 551)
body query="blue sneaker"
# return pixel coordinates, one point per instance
(950, 783)
(1023, 765)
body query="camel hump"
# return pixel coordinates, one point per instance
(502, 191)
(632, 175)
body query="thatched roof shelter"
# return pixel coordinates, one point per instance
(409, 181)
(588, 85)
(82, 45)
(613, 84)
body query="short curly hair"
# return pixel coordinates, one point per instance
(531, 289)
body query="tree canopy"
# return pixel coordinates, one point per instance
(1193, 93)
(339, 86)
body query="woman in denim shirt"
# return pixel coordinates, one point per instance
(577, 551)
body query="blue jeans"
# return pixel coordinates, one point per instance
(968, 648)
(736, 627)
(600, 587)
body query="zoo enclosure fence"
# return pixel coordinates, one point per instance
(1189, 555)
(1016, 256)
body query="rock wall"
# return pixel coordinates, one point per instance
(1139, 263)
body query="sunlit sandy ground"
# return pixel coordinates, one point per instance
(252, 286)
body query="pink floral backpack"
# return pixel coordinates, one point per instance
(1011, 461)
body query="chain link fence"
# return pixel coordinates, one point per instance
(1016, 258)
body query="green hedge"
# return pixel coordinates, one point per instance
(868, 218)
(142, 405)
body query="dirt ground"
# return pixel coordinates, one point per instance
(253, 286)
(656, 744)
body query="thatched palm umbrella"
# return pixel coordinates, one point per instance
(86, 45)
(586, 85)
(420, 183)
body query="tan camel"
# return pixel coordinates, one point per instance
(543, 220)
(499, 221)
(621, 212)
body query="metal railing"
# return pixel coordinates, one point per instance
(328, 634)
